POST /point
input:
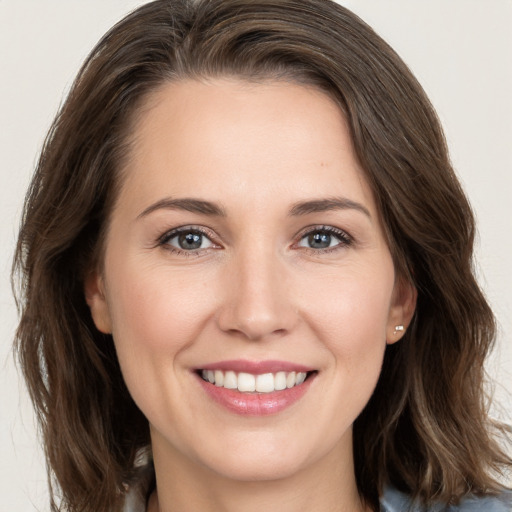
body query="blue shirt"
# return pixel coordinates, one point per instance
(395, 501)
(391, 501)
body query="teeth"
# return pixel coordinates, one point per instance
(280, 381)
(248, 383)
(230, 380)
(265, 383)
(219, 378)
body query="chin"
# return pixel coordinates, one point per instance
(260, 460)
(259, 470)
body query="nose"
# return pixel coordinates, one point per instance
(258, 301)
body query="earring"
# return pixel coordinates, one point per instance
(398, 328)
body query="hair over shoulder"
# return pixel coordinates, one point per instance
(426, 429)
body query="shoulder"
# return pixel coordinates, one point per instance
(395, 501)
(143, 482)
(133, 502)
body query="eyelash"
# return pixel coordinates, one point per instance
(164, 240)
(345, 240)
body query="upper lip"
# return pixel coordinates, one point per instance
(256, 367)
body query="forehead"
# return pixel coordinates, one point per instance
(229, 137)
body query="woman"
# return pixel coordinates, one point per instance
(244, 247)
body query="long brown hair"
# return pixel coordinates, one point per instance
(425, 430)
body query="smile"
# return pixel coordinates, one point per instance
(251, 388)
(250, 383)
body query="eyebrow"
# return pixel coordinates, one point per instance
(187, 204)
(213, 209)
(327, 204)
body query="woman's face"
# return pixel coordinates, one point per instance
(245, 240)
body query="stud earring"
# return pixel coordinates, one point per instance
(398, 328)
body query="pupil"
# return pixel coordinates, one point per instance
(319, 240)
(190, 241)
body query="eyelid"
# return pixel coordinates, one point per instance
(163, 240)
(345, 238)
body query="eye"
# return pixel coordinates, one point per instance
(325, 237)
(186, 240)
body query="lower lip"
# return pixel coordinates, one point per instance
(256, 404)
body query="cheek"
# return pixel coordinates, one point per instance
(350, 317)
(351, 306)
(155, 309)
(156, 315)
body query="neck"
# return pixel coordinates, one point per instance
(328, 484)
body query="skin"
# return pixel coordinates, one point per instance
(255, 290)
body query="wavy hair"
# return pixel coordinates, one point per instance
(425, 429)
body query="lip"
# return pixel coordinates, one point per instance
(256, 404)
(257, 367)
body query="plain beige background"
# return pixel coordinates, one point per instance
(459, 49)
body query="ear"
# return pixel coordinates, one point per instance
(94, 289)
(401, 311)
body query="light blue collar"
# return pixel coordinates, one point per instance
(395, 501)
